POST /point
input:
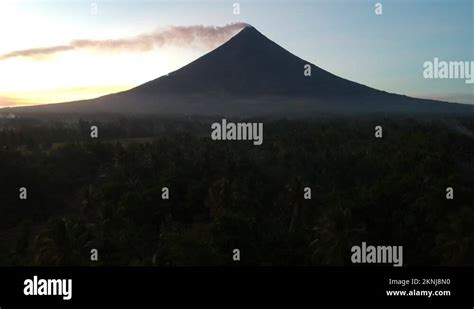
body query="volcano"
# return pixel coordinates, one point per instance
(250, 75)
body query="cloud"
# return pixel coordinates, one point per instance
(180, 36)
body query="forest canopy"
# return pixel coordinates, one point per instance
(106, 193)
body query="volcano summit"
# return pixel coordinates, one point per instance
(250, 75)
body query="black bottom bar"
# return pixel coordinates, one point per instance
(332, 285)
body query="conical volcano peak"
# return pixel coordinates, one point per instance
(252, 75)
(248, 64)
(245, 25)
(249, 39)
(249, 30)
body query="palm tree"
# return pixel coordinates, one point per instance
(336, 232)
(61, 243)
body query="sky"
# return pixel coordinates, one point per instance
(108, 46)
